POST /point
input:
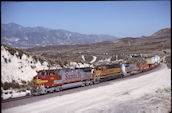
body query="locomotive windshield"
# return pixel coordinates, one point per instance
(42, 73)
(98, 68)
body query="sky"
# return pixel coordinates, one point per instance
(117, 18)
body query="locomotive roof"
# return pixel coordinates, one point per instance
(108, 66)
(85, 68)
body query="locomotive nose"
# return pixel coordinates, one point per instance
(38, 80)
(36, 77)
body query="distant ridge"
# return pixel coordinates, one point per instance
(162, 32)
(25, 37)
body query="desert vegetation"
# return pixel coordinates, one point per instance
(16, 85)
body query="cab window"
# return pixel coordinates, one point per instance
(43, 73)
(98, 68)
(52, 74)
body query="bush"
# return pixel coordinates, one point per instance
(23, 82)
(41, 60)
(15, 84)
(29, 84)
(8, 85)
(38, 58)
(168, 61)
(5, 59)
(65, 62)
(9, 60)
(20, 55)
(12, 51)
(35, 58)
(33, 66)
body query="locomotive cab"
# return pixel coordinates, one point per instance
(44, 79)
(40, 78)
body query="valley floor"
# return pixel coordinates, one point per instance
(150, 93)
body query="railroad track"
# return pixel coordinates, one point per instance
(17, 98)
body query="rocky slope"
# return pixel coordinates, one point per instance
(19, 66)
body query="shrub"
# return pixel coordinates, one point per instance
(35, 58)
(65, 62)
(33, 66)
(168, 61)
(12, 84)
(9, 60)
(6, 85)
(41, 60)
(12, 51)
(29, 84)
(20, 55)
(23, 82)
(5, 59)
(15, 84)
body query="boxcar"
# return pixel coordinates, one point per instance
(130, 68)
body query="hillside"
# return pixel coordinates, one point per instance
(113, 50)
(162, 33)
(19, 66)
(26, 37)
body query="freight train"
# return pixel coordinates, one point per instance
(58, 79)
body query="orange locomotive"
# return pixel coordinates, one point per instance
(105, 72)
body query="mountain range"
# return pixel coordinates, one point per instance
(25, 37)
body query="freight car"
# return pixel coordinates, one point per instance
(56, 80)
(144, 67)
(130, 68)
(153, 61)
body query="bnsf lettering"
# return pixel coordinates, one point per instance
(73, 76)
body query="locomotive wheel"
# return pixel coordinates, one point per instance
(51, 91)
(60, 88)
(57, 89)
(44, 92)
(91, 83)
(83, 85)
(88, 83)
